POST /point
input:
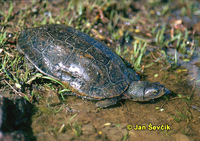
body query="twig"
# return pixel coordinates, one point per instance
(15, 91)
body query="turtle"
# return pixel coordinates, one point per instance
(86, 66)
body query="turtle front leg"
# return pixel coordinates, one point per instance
(107, 102)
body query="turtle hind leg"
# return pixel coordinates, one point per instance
(107, 102)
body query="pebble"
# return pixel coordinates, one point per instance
(64, 137)
(113, 133)
(88, 129)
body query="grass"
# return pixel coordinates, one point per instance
(179, 40)
(125, 136)
(3, 37)
(138, 53)
(139, 50)
(180, 116)
(75, 126)
(159, 35)
(7, 15)
(14, 72)
(10, 66)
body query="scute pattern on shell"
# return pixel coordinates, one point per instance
(86, 65)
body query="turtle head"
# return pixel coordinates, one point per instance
(145, 91)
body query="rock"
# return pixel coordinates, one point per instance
(113, 133)
(181, 137)
(13, 136)
(45, 136)
(15, 119)
(88, 129)
(52, 97)
(64, 137)
(15, 114)
(6, 112)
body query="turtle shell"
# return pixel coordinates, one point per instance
(88, 67)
